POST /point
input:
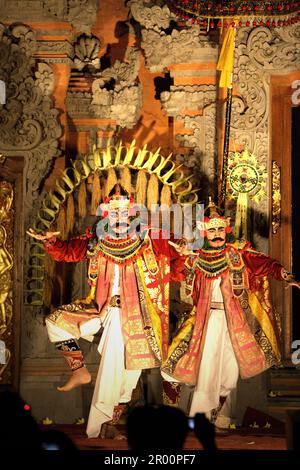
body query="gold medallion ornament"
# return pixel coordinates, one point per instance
(246, 179)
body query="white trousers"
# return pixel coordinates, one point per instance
(219, 371)
(114, 383)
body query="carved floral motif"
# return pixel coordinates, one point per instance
(117, 92)
(80, 13)
(87, 52)
(151, 14)
(188, 97)
(29, 121)
(45, 78)
(162, 50)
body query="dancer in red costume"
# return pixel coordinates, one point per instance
(129, 278)
(231, 330)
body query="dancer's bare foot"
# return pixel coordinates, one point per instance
(79, 377)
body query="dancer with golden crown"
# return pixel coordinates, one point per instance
(129, 274)
(231, 329)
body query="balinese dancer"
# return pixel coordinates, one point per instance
(129, 274)
(231, 330)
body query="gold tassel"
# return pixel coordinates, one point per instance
(61, 223)
(96, 193)
(141, 187)
(49, 274)
(70, 214)
(126, 179)
(82, 199)
(165, 196)
(110, 182)
(153, 191)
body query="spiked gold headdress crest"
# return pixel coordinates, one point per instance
(213, 218)
(116, 200)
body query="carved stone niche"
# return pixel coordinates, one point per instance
(11, 269)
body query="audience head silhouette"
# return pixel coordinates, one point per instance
(156, 427)
(56, 440)
(18, 428)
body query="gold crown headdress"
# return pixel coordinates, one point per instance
(116, 200)
(213, 219)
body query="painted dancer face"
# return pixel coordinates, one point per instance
(119, 221)
(216, 237)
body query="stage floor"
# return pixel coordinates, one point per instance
(239, 439)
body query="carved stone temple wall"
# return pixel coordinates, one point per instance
(79, 72)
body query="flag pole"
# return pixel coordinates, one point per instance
(225, 65)
(226, 148)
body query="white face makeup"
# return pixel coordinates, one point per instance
(119, 220)
(216, 237)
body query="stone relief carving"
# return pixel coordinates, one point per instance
(123, 106)
(127, 106)
(260, 52)
(201, 158)
(29, 121)
(188, 97)
(162, 50)
(45, 78)
(78, 105)
(122, 74)
(276, 49)
(116, 91)
(87, 52)
(48, 48)
(204, 144)
(81, 13)
(151, 14)
(289, 34)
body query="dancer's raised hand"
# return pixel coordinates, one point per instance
(43, 236)
(292, 283)
(181, 249)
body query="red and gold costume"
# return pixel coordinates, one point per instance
(129, 296)
(231, 329)
(247, 304)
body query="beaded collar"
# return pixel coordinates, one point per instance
(120, 251)
(212, 262)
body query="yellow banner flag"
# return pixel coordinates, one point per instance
(225, 62)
